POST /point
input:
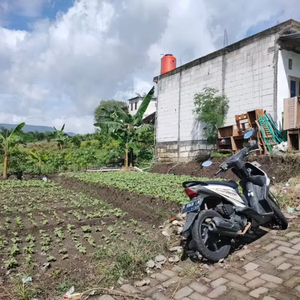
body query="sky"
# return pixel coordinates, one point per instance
(60, 58)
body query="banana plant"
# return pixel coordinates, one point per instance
(125, 128)
(40, 158)
(7, 141)
(60, 136)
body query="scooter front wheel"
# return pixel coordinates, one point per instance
(211, 246)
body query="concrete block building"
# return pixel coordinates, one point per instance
(256, 72)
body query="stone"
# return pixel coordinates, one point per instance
(278, 261)
(197, 296)
(235, 278)
(292, 282)
(159, 277)
(287, 274)
(218, 282)
(292, 233)
(254, 283)
(177, 269)
(160, 259)
(271, 285)
(271, 278)
(217, 273)
(171, 281)
(287, 250)
(177, 249)
(273, 253)
(159, 296)
(297, 288)
(127, 288)
(258, 292)
(270, 246)
(251, 275)
(217, 292)
(238, 287)
(243, 253)
(150, 264)
(250, 267)
(142, 282)
(295, 241)
(268, 298)
(283, 243)
(106, 297)
(174, 259)
(184, 292)
(284, 266)
(168, 273)
(198, 287)
(297, 247)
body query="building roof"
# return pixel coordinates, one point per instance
(275, 29)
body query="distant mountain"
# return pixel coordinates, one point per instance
(28, 128)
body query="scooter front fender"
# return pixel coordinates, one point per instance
(190, 218)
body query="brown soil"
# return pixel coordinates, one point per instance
(147, 209)
(59, 210)
(279, 169)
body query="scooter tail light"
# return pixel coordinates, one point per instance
(190, 193)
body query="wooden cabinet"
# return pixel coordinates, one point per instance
(291, 113)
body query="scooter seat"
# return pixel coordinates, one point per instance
(230, 183)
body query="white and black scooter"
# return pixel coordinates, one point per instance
(218, 213)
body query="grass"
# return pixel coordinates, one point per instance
(165, 186)
(126, 260)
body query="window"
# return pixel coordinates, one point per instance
(135, 105)
(131, 106)
(294, 86)
(290, 64)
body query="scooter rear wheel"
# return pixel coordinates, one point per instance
(279, 218)
(211, 246)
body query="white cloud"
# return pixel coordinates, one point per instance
(59, 71)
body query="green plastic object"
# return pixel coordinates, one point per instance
(267, 122)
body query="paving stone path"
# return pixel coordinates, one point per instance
(267, 269)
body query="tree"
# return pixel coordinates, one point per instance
(107, 106)
(8, 140)
(76, 141)
(60, 137)
(124, 127)
(211, 109)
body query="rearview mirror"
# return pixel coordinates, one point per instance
(207, 163)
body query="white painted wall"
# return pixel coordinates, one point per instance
(283, 73)
(151, 108)
(249, 80)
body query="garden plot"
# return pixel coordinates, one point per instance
(54, 234)
(163, 186)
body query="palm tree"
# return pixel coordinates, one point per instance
(60, 137)
(126, 128)
(8, 140)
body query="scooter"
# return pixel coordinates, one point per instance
(218, 213)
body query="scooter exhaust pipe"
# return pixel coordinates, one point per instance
(224, 227)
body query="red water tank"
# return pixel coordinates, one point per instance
(168, 63)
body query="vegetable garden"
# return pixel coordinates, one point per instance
(61, 237)
(164, 186)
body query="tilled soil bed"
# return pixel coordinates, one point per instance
(148, 210)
